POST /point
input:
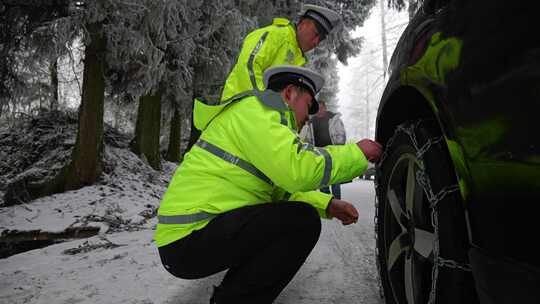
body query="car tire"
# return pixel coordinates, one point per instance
(414, 169)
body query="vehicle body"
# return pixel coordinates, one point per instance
(459, 121)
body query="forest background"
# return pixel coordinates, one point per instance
(126, 73)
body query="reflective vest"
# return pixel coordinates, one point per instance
(249, 153)
(265, 47)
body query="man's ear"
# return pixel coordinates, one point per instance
(290, 92)
(301, 24)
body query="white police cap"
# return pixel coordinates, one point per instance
(296, 75)
(326, 18)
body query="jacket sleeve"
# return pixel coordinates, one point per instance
(317, 199)
(264, 55)
(290, 163)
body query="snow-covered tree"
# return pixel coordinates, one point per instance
(27, 69)
(339, 46)
(157, 53)
(322, 60)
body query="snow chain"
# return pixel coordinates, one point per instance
(433, 198)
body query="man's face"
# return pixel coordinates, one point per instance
(307, 35)
(299, 101)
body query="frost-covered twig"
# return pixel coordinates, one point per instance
(72, 59)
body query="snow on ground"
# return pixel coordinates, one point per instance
(121, 263)
(126, 197)
(122, 204)
(124, 267)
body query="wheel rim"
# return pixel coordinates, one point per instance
(408, 233)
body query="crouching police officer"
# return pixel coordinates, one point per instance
(242, 198)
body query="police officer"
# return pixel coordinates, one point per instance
(242, 198)
(323, 129)
(279, 43)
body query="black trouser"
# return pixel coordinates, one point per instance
(263, 246)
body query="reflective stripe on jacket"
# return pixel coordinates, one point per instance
(255, 129)
(265, 47)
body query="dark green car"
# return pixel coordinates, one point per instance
(458, 187)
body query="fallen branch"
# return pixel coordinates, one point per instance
(87, 247)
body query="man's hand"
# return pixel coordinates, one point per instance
(372, 149)
(343, 211)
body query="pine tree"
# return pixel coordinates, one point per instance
(86, 158)
(142, 50)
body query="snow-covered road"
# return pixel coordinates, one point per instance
(341, 269)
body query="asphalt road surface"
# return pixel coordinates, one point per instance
(341, 268)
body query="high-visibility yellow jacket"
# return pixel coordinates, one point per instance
(265, 162)
(265, 47)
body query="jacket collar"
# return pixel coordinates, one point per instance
(281, 21)
(272, 100)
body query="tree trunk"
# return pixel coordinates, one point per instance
(173, 150)
(383, 38)
(366, 120)
(146, 141)
(85, 165)
(412, 8)
(53, 68)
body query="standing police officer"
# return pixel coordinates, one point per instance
(242, 198)
(279, 43)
